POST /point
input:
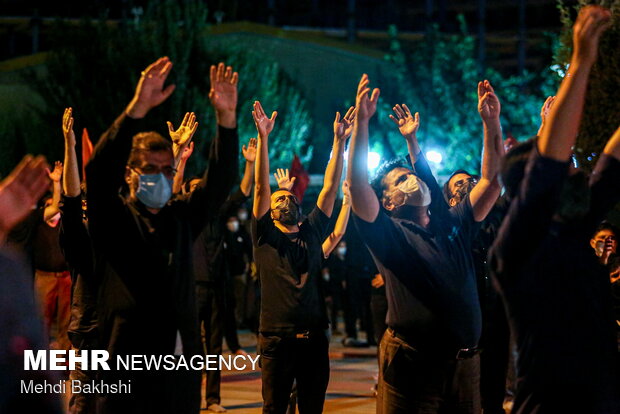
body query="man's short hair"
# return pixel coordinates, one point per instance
(513, 166)
(606, 225)
(447, 194)
(377, 183)
(147, 141)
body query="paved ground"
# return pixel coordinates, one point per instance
(353, 374)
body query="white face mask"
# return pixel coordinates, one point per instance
(233, 226)
(243, 215)
(415, 192)
(341, 251)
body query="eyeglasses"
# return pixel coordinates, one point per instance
(168, 171)
(461, 183)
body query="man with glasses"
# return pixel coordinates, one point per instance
(142, 242)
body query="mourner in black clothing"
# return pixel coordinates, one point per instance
(288, 254)
(429, 360)
(143, 243)
(557, 295)
(212, 276)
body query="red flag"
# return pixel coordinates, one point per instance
(302, 178)
(87, 151)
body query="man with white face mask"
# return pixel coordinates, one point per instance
(428, 355)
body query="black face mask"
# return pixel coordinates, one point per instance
(286, 212)
(575, 197)
(462, 191)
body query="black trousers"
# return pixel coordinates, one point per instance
(287, 359)
(211, 309)
(412, 382)
(357, 306)
(230, 318)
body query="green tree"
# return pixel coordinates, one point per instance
(438, 79)
(94, 66)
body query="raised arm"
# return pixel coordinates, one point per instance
(341, 223)
(177, 183)
(408, 126)
(249, 153)
(71, 173)
(54, 208)
(484, 195)
(559, 134)
(262, 192)
(363, 200)
(342, 131)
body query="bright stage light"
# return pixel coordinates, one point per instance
(373, 160)
(434, 156)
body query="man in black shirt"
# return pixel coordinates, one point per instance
(288, 254)
(428, 360)
(557, 296)
(143, 245)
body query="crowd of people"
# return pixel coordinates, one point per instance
(134, 258)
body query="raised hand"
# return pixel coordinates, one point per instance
(407, 124)
(187, 152)
(284, 181)
(150, 91)
(184, 134)
(67, 127)
(21, 190)
(366, 106)
(344, 127)
(249, 152)
(544, 110)
(591, 22)
(488, 104)
(56, 174)
(264, 125)
(223, 92)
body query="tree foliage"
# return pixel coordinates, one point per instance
(438, 79)
(601, 114)
(94, 67)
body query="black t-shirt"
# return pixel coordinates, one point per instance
(429, 276)
(557, 295)
(48, 255)
(289, 274)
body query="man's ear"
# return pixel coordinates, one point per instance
(452, 202)
(128, 175)
(593, 243)
(387, 203)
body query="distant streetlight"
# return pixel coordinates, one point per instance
(434, 156)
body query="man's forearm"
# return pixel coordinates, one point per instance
(247, 179)
(413, 148)
(491, 155)
(613, 145)
(71, 174)
(262, 192)
(560, 132)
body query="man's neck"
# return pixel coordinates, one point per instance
(285, 228)
(418, 215)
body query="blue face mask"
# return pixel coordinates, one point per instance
(154, 190)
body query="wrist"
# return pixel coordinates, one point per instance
(226, 118)
(136, 110)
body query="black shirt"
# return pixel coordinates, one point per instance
(76, 246)
(289, 274)
(429, 273)
(144, 260)
(557, 295)
(210, 265)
